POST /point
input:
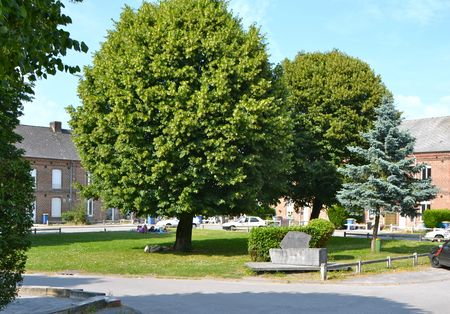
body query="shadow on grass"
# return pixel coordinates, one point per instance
(341, 257)
(209, 247)
(221, 246)
(400, 249)
(89, 237)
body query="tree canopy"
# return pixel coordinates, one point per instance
(333, 98)
(180, 116)
(32, 43)
(386, 181)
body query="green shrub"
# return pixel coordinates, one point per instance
(263, 239)
(337, 215)
(433, 218)
(68, 216)
(76, 216)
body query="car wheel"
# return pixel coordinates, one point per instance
(438, 238)
(194, 225)
(435, 262)
(233, 228)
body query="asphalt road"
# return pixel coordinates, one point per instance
(411, 292)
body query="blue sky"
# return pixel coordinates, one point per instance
(405, 41)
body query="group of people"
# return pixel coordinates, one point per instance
(145, 229)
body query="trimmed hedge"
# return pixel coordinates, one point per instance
(432, 218)
(263, 239)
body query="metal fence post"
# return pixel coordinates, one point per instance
(345, 234)
(415, 259)
(389, 262)
(359, 267)
(323, 271)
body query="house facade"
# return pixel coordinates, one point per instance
(432, 148)
(56, 170)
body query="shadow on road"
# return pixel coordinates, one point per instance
(265, 303)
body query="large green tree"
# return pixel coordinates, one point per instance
(180, 116)
(333, 98)
(31, 44)
(386, 181)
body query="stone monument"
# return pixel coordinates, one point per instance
(295, 251)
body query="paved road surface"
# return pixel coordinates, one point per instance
(419, 292)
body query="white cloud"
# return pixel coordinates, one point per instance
(414, 108)
(42, 110)
(250, 11)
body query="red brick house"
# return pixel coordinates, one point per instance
(433, 149)
(56, 169)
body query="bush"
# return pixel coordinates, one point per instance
(433, 218)
(337, 215)
(261, 240)
(76, 216)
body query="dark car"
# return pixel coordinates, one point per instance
(440, 256)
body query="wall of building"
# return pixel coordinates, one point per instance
(71, 173)
(440, 176)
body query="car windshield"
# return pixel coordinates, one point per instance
(242, 219)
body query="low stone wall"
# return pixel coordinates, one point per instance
(299, 256)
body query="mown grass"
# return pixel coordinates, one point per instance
(216, 253)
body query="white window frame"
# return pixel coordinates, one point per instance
(33, 174)
(56, 179)
(56, 207)
(90, 207)
(424, 206)
(426, 173)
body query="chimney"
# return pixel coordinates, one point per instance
(55, 126)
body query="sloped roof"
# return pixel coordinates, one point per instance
(42, 142)
(432, 134)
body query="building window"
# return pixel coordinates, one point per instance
(56, 179)
(33, 174)
(426, 173)
(56, 207)
(90, 207)
(424, 206)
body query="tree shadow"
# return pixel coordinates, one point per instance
(265, 302)
(60, 281)
(69, 238)
(341, 257)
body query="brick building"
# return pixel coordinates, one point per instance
(432, 148)
(56, 169)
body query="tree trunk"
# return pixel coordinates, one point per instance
(183, 242)
(375, 232)
(317, 207)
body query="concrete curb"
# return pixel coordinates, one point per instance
(85, 301)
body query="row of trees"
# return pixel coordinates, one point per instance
(183, 114)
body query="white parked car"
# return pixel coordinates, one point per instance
(438, 235)
(244, 222)
(173, 223)
(169, 223)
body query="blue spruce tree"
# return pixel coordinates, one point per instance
(385, 180)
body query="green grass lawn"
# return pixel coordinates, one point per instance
(216, 253)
